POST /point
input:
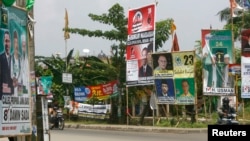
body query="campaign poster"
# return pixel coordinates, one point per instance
(185, 91)
(15, 95)
(102, 91)
(245, 82)
(184, 63)
(216, 56)
(163, 65)
(245, 63)
(140, 45)
(165, 91)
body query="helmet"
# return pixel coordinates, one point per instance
(225, 100)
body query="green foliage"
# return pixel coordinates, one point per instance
(198, 78)
(236, 24)
(162, 32)
(90, 71)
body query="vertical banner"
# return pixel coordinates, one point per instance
(45, 117)
(67, 100)
(217, 55)
(15, 105)
(245, 63)
(184, 66)
(140, 45)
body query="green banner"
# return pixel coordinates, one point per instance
(217, 55)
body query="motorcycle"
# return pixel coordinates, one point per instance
(57, 121)
(230, 119)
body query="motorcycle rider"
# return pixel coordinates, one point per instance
(53, 109)
(225, 110)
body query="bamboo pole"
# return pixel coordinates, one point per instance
(127, 105)
(236, 93)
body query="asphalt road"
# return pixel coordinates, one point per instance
(69, 134)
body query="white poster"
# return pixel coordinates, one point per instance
(245, 73)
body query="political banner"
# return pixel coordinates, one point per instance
(183, 63)
(245, 63)
(216, 56)
(140, 45)
(80, 94)
(185, 91)
(15, 105)
(102, 91)
(163, 65)
(174, 77)
(165, 91)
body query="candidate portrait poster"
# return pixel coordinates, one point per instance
(185, 91)
(165, 91)
(245, 63)
(216, 57)
(15, 100)
(162, 65)
(140, 44)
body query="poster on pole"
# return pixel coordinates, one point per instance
(245, 63)
(15, 95)
(174, 77)
(217, 54)
(140, 45)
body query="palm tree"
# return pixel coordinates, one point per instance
(236, 24)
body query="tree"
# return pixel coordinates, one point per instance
(236, 24)
(116, 18)
(90, 71)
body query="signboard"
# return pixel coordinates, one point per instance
(102, 91)
(67, 78)
(216, 56)
(140, 45)
(245, 64)
(174, 77)
(15, 101)
(80, 94)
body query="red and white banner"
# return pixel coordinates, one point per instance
(140, 44)
(102, 91)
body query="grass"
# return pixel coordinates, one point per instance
(175, 122)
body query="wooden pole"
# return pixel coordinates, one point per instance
(236, 93)
(127, 105)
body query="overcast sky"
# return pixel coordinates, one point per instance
(190, 17)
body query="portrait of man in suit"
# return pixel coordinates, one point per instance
(162, 63)
(6, 83)
(145, 70)
(165, 88)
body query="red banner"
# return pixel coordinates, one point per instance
(141, 19)
(102, 90)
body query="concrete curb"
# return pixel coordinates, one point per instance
(138, 128)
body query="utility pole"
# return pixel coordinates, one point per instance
(37, 105)
(37, 119)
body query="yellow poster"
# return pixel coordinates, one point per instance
(184, 63)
